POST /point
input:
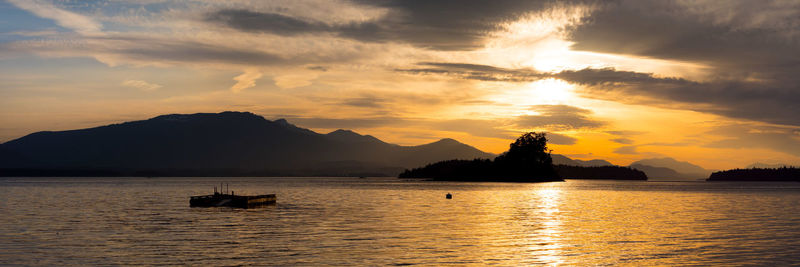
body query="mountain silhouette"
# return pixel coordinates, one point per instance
(663, 168)
(662, 173)
(564, 160)
(227, 143)
(655, 168)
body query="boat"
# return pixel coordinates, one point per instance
(229, 199)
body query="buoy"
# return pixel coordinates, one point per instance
(448, 196)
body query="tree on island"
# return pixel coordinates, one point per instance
(527, 156)
(527, 160)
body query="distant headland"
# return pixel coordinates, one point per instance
(783, 174)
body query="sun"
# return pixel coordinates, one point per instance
(548, 91)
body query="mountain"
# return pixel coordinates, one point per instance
(227, 143)
(684, 169)
(657, 173)
(564, 160)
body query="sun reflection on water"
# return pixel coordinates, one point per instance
(545, 240)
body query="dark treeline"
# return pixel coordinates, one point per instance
(527, 160)
(600, 172)
(757, 174)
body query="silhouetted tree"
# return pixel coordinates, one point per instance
(527, 157)
(530, 148)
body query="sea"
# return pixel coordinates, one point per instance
(394, 222)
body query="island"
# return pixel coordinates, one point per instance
(527, 160)
(783, 174)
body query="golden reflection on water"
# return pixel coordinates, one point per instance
(358, 222)
(547, 248)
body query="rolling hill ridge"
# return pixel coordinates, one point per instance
(227, 143)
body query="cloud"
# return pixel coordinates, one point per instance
(744, 136)
(558, 118)
(759, 101)
(344, 123)
(141, 85)
(737, 33)
(475, 72)
(319, 68)
(625, 133)
(148, 50)
(247, 20)
(628, 150)
(246, 80)
(560, 139)
(438, 25)
(771, 102)
(624, 141)
(750, 49)
(62, 17)
(365, 102)
(295, 79)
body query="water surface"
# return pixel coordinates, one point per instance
(387, 221)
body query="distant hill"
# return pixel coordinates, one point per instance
(661, 173)
(227, 143)
(564, 160)
(669, 168)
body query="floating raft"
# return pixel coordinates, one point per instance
(225, 198)
(230, 200)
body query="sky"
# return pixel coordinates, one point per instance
(715, 83)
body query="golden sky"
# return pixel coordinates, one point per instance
(712, 83)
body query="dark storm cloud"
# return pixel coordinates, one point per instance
(440, 25)
(558, 118)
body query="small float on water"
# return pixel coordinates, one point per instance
(229, 199)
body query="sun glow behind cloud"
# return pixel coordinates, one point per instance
(539, 41)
